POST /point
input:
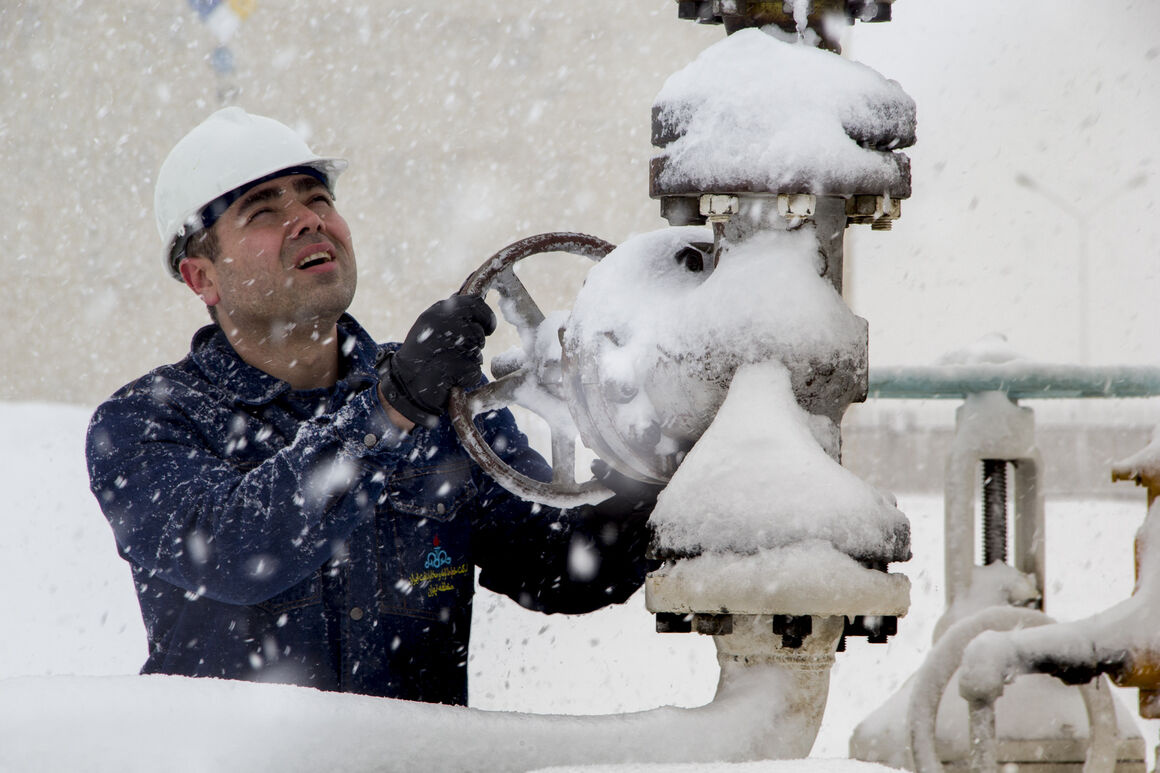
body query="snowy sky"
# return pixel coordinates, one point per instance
(1063, 93)
(487, 122)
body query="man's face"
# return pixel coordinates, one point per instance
(285, 260)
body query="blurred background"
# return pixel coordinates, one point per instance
(471, 124)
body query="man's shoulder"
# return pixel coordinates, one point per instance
(172, 384)
(169, 389)
(165, 400)
(163, 380)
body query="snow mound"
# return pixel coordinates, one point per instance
(151, 723)
(769, 766)
(758, 478)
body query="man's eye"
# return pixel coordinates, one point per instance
(322, 197)
(258, 213)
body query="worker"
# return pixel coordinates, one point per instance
(291, 498)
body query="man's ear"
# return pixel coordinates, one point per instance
(200, 275)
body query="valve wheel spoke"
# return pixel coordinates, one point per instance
(528, 316)
(563, 458)
(497, 394)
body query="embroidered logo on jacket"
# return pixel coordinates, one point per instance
(438, 571)
(437, 558)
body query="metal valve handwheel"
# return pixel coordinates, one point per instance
(521, 310)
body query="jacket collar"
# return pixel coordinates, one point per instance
(210, 350)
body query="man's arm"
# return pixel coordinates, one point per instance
(551, 560)
(400, 421)
(195, 519)
(546, 559)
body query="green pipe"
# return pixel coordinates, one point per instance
(1019, 380)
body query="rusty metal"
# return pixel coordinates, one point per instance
(878, 212)
(1142, 665)
(713, 624)
(793, 629)
(674, 622)
(580, 244)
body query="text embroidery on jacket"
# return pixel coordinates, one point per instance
(438, 571)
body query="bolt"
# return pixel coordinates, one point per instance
(713, 625)
(674, 622)
(793, 629)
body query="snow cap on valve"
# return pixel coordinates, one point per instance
(219, 159)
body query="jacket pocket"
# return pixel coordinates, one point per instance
(436, 492)
(425, 541)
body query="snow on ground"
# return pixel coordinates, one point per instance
(68, 609)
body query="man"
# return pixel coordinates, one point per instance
(292, 500)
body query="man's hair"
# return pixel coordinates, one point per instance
(205, 244)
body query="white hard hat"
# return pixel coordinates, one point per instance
(229, 150)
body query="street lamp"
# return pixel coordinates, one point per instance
(1083, 216)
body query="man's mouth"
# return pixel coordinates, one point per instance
(316, 258)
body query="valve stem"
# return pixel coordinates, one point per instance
(994, 511)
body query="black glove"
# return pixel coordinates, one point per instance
(631, 499)
(443, 350)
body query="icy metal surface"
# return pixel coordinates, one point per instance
(808, 578)
(794, 119)
(1019, 379)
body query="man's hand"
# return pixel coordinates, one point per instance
(618, 528)
(443, 350)
(631, 499)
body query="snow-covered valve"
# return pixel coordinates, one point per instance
(801, 143)
(768, 543)
(760, 527)
(783, 126)
(720, 360)
(825, 17)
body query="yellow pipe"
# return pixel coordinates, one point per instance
(1144, 665)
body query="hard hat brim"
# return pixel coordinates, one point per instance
(173, 252)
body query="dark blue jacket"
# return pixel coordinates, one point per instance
(297, 536)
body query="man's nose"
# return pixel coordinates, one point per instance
(304, 220)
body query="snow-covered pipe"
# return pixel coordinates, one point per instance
(756, 714)
(1120, 641)
(1103, 737)
(805, 672)
(930, 681)
(984, 672)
